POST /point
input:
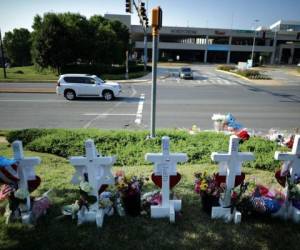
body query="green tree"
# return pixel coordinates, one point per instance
(17, 45)
(80, 35)
(51, 42)
(111, 40)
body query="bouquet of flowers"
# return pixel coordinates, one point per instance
(209, 189)
(292, 188)
(129, 190)
(86, 200)
(212, 189)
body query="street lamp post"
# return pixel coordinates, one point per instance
(253, 46)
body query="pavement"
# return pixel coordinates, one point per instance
(180, 104)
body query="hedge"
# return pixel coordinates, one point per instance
(130, 147)
(100, 69)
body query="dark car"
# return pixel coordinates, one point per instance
(186, 73)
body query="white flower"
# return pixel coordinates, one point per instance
(85, 186)
(218, 117)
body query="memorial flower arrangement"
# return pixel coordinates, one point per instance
(229, 123)
(212, 189)
(209, 189)
(105, 199)
(129, 189)
(292, 188)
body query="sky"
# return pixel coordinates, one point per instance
(237, 14)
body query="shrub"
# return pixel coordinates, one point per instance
(226, 67)
(252, 74)
(130, 147)
(100, 69)
(19, 72)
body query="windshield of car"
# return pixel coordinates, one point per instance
(98, 79)
(185, 69)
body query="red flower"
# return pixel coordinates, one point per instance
(243, 135)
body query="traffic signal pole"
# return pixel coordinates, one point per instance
(156, 25)
(145, 50)
(154, 76)
(144, 26)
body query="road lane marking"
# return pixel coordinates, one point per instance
(139, 112)
(107, 114)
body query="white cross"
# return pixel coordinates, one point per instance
(26, 170)
(98, 169)
(293, 166)
(293, 158)
(230, 165)
(165, 166)
(231, 162)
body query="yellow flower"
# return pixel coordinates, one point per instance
(203, 186)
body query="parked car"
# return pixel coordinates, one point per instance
(77, 85)
(186, 73)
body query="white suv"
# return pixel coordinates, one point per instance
(73, 85)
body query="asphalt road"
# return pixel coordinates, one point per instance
(180, 104)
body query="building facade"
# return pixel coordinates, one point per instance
(278, 44)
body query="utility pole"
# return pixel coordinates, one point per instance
(2, 56)
(253, 46)
(141, 11)
(156, 25)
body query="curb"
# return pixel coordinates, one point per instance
(267, 83)
(29, 90)
(233, 74)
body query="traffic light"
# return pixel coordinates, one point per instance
(128, 6)
(147, 22)
(143, 10)
(157, 17)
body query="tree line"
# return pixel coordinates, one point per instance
(59, 39)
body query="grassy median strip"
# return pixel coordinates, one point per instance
(33, 74)
(193, 229)
(131, 146)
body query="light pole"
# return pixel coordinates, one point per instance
(253, 46)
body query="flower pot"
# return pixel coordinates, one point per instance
(132, 204)
(209, 201)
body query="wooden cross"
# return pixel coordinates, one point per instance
(293, 158)
(230, 165)
(26, 172)
(98, 169)
(165, 166)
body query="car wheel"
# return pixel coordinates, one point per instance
(108, 95)
(70, 94)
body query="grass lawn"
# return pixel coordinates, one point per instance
(27, 73)
(193, 229)
(30, 74)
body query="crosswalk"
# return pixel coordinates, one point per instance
(200, 81)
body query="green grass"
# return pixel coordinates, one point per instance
(193, 229)
(131, 146)
(31, 74)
